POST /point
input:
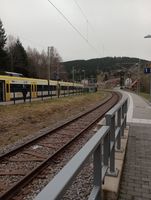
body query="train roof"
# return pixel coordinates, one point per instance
(25, 80)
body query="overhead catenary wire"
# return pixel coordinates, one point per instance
(81, 10)
(81, 35)
(86, 19)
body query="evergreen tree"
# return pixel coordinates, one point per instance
(19, 58)
(3, 37)
(3, 54)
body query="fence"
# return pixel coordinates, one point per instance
(101, 147)
(18, 96)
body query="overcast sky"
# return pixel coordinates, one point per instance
(114, 27)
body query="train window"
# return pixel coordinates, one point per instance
(39, 87)
(64, 88)
(70, 87)
(16, 88)
(45, 87)
(53, 87)
(42, 87)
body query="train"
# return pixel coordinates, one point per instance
(12, 85)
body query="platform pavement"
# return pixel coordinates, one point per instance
(136, 179)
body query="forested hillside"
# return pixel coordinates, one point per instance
(93, 67)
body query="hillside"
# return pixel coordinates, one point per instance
(95, 66)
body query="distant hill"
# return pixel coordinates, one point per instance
(95, 66)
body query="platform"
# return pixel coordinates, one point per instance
(136, 179)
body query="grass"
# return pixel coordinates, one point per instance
(145, 95)
(20, 120)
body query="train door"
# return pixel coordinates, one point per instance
(7, 89)
(2, 91)
(33, 90)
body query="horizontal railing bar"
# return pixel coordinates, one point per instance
(56, 188)
(111, 145)
(102, 122)
(117, 132)
(116, 119)
(123, 120)
(94, 193)
(116, 107)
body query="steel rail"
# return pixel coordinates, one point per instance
(31, 141)
(32, 174)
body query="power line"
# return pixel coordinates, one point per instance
(86, 18)
(81, 10)
(73, 27)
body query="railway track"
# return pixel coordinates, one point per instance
(19, 166)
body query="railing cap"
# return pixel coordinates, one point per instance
(56, 188)
(117, 106)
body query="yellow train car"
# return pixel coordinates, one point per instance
(16, 88)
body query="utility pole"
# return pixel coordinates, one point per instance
(73, 70)
(48, 76)
(50, 60)
(84, 76)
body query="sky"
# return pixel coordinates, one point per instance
(103, 27)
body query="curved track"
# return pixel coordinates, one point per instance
(20, 166)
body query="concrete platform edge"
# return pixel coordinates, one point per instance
(112, 184)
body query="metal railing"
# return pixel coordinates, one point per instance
(101, 147)
(42, 96)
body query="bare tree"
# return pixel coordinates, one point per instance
(39, 64)
(57, 71)
(33, 56)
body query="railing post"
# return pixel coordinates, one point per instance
(106, 149)
(119, 125)
(125, 112)
(112, 155)
(123, 125)
(97, 163)
(110, 121)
